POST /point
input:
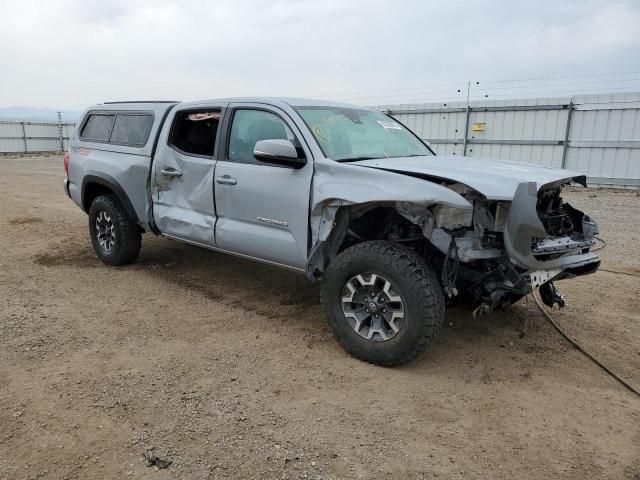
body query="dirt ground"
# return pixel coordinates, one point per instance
(226, 366)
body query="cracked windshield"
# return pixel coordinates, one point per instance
(350, 134)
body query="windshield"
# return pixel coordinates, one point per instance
(348, 134)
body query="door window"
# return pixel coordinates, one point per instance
(194, 132)
(250, 126)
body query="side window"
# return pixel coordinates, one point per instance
(97, 127)
(194, 132)
(131, 129)
(250, 126)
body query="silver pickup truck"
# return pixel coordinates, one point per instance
(343, 194)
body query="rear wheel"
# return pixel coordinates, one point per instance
(115, 237)
(382, 302)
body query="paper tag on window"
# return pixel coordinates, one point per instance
(390, 125)
(200, 116)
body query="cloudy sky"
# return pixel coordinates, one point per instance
(71, 53)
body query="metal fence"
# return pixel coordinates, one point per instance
(598, 135)
(34, 137)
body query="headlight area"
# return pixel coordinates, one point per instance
(569, 230)
(469, 249)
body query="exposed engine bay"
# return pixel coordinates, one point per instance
(490, 255)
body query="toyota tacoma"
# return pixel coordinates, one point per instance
(345, 195)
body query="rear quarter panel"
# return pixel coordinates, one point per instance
(128, 166)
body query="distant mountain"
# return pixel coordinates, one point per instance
(37, 114)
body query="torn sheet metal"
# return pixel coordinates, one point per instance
(339, 184)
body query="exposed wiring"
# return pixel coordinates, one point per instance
(618, 272)
(577, 346)
(604, 244)
(450, 275)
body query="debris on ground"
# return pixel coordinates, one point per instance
(152, 460)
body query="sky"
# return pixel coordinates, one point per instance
(68, 54)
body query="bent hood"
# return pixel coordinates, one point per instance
(495, 179)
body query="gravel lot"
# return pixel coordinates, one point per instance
(226, 367)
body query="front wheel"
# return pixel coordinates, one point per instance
(115, 237)
(382, 302)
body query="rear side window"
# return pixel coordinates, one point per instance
(97, 127)
(121, 128)
(131, 129)
(194, 132)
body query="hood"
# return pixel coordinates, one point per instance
(495, 179)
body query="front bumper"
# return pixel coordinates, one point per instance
(536, 278)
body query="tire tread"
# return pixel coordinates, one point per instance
(128, 234)
(410, 264)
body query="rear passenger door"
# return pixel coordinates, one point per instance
(263, 209)
(182, 175)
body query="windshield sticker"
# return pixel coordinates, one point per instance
(390, 125)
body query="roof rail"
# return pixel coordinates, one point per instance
(142, 101)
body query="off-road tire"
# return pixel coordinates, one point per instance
(414, 281)
(127, 234)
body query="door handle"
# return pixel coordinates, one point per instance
(226, 180)
(171, 172)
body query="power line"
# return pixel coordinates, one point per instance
(562, 77)
(428, 89)
(563, 84)
(394, 90)
(565, 91)
(538, 90)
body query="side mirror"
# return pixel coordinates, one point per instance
(280, 152)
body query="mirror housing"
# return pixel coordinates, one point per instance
(280, 152)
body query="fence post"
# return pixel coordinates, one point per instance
(565, 146)
(466, 122)
(466, 131)
(24, 137)
(60, 137)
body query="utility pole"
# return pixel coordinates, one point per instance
(60, 137)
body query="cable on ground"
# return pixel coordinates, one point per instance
(577, 346)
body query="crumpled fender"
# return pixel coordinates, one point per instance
(338, 184)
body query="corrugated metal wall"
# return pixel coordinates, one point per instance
(603, 139)
(598, 135)
(33, 137)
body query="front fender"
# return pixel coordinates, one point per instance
(338, 184)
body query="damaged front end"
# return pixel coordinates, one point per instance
(490, 246)
(504, 250)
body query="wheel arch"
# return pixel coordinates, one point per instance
(94, 185)
(338, 185)
(340, 221)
